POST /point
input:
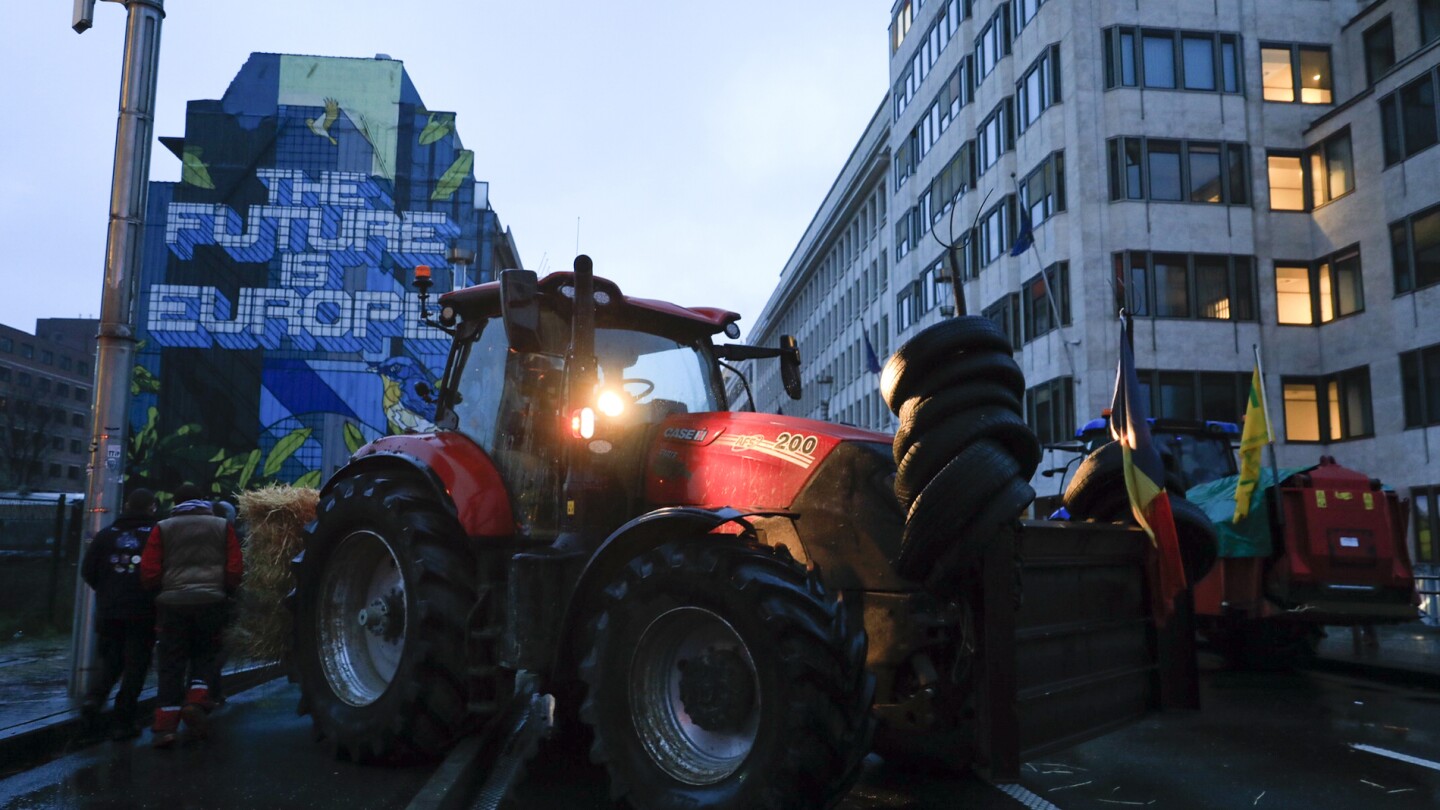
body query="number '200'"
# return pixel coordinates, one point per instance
(796, 443)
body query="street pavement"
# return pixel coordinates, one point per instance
(1272, 740)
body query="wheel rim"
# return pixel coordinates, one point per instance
(362, 618)
(692, 653)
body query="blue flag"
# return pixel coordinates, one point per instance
(1025, 238)
(872, 363)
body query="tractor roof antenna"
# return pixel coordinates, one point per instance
(957, 284)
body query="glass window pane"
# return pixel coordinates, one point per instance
(1417, 108)
(1332, 402)
(1400, 257)
(1379, 50)
(1337, 161)
(1127, 58)
(1230, 63)
(1292, 294)
(1212, 287)
(1236, 160)
(1349, 295)
(1430, 364)
(1325, 294)
(1287, 183)
(1199, 55)
(1242, 306)
(1356, 391)
(1410, 388)
(1390, 129)
(1426, 256)
(1139, 285)
(1217, 397)
(1134, 189)
(1172, 286)
(1277, 77)
(1164, 165)
(1315, 85)
(1159, 60)
(1317, 176)
(1177, 396)
(1429, 21)
(1205, 173)
(1302, 412)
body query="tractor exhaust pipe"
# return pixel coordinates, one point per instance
(581, 379)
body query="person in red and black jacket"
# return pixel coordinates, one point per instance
(124, 611)
(193, 559)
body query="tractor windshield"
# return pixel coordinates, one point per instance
(511, 403)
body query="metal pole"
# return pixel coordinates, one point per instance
(115, 345)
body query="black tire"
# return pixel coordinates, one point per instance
(792, 738)
(1268, 645)
(919, 414)
(945, 441)
(958, 559)
(1097, 490)
(1199, 545)
(375, 690)
(950, 501)
(969, 333)
(900, 382)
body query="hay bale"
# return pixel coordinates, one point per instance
(274, 519)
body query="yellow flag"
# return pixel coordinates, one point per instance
(1252, 438)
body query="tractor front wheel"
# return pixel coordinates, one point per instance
(725, 676)
(382, 595)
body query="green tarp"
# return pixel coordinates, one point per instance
(1251, 536)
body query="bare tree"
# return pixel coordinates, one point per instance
(25, 442)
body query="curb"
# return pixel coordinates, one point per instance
(39, 741)
(1401, 676)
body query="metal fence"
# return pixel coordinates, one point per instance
(39, 555)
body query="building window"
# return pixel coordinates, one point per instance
(905, 308)
(1429, 21)
(1379, 50)
(953, 180)
(1050, 410)
(1407, 119)
(1415, 248)
(1006, 313)
(81, 395)
(1332, 173)
(1321, 291)
(1166, 59)
(27, 351)
(4, 374)
(1286, 173)
(1185, 285)
(932, 286)
(1195, 395)
(77, 420)
(1420, 381)
(47, 357)
(1038, 293)
(1042, 192)
(996, 230)
(996, 134)
(73, 473)
(1328, 409)
(993, 44)
(1038, 89)
(1427, 550)
(1296, 73)
(1025, 11)
(65, 363)
(1178, 171)
(7, 345)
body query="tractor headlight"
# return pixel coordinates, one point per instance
(610, 403)
(582, 423)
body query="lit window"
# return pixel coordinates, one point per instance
(1296, 73)
(1277, 79)
(1287, 183)
(1302, 412)
(1292, 295)
(1332, 408)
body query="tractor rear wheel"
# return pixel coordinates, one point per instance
(726, 676)
(382, 595)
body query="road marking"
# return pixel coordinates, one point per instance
(1025, 797)
(1424, 763)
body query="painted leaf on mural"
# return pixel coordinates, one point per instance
(249, 469)
(454, 176)
(354, 439)
(284, 449)
(437, 128)
(193, 170)
(310, 480)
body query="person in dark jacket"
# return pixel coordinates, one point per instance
(193, 560)
(124, 611)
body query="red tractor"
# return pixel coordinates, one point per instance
(589, 517)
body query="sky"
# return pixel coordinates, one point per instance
(690, 142)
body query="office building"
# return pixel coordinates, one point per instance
(46, 392)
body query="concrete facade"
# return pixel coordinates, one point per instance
(1195, 338)
(46, 392)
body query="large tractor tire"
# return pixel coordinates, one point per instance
(963, 452)
(723, 675)
(383, 590)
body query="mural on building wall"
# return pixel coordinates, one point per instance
(279, 330)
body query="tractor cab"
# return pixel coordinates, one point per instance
(505, 384)
(1194, 452)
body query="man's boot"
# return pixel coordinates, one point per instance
(196, 711)
(165, 731)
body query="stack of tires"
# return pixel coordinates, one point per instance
(963, 451)
(1097, 492)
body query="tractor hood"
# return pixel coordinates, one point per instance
(742, 459)
(838, 481)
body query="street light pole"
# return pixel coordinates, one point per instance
(115, 344)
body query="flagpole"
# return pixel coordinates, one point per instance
(1277, 515)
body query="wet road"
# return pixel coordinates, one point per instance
(1266, 741)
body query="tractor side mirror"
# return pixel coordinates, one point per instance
(519, 309)
(790, 366)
